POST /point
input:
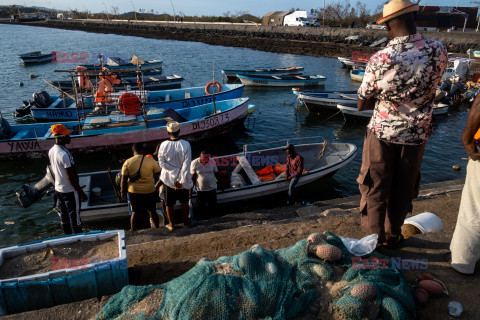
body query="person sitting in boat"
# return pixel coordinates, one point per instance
(68, 193)
(175, 157)
(105, 88)
(204, 170)
(138, 186)
(293, 171)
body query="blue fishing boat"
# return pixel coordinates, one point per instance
(150, 80)
(59, 109)
(325, 101)
(231, 74)
(283, 81)
(119, 131)
(117, 63)
(35, 57)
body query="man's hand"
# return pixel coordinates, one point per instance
(368, 104)
(178, 185)
(82, 195)
(472, 151)
(124, 195)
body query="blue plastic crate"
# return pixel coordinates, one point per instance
(66, 285)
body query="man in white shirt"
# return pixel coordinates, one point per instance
(68, 192)
(175, 157)
(203, 170)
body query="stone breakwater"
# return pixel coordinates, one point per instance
(326, 42)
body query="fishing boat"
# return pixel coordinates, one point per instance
(357, 75)
(350, 63)
(35, 57)
(349, 110)
(117, 63)
(151, 82)
(320, 160)
(283, 81)
(325, 101)
(60, 109)
(120, 131)
(231, 74)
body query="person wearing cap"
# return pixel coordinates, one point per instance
(68, 193)
(140, 193)
(399, 86)
(293, 171)
(175, 157)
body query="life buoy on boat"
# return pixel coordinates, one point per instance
(213, 83)
(129, 104)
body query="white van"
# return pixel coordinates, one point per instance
(297, 18)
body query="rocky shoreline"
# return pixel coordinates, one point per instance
(325, 42)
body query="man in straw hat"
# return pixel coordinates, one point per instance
(68, 193)
(399, 85)
(175, 157)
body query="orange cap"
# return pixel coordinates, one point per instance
(60, 129)
(149, 156)
(477, 135)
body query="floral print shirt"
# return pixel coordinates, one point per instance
(403, 78)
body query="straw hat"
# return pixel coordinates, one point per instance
(173, 127)
(396, 8)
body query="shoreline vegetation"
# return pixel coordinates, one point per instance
(313, 41)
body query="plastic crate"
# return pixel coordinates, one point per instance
(56, 287)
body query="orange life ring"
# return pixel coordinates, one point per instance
(218, 85)
(129, 104)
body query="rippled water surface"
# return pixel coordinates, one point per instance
(276, 117)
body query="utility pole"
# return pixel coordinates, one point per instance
(174, 14)
(135, 12)
(324, 13)
(106, 10)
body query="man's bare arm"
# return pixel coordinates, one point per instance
(472, 126)
(365, 104)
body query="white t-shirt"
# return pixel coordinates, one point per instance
(175, 158)
(60, 160)
(205, 174)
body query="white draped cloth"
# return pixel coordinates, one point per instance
(465, 245)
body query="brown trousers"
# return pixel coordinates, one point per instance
(389, 179)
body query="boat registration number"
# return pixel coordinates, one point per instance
(211, 122)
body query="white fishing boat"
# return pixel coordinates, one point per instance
(283, 81)
(325, 101)
(357, 75)
(242, 169)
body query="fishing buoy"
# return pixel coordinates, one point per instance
(20, 84)
(456, 167)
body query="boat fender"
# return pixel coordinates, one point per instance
(213, 83)
(129, 104)
(5, 128)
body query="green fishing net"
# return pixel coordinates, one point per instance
(267, 284)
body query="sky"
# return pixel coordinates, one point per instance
(206, 7)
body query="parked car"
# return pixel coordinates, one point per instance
(314, 23)
(374, 25)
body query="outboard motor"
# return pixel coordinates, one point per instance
(23, 110)
(446, 85)
(5, 129)
(28, 194)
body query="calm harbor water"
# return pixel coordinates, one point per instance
(276, 117)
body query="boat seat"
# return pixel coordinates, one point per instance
(243, 161)
(56, 104)
(22, 134)
(298, 77)
(167, 97)
(174, 115)
(187, 95)
(278, 78)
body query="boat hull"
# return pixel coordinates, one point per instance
(119, 139)
(39, 59)
(319, 103)
(271, 82)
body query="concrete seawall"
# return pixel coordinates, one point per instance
(329, 42)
